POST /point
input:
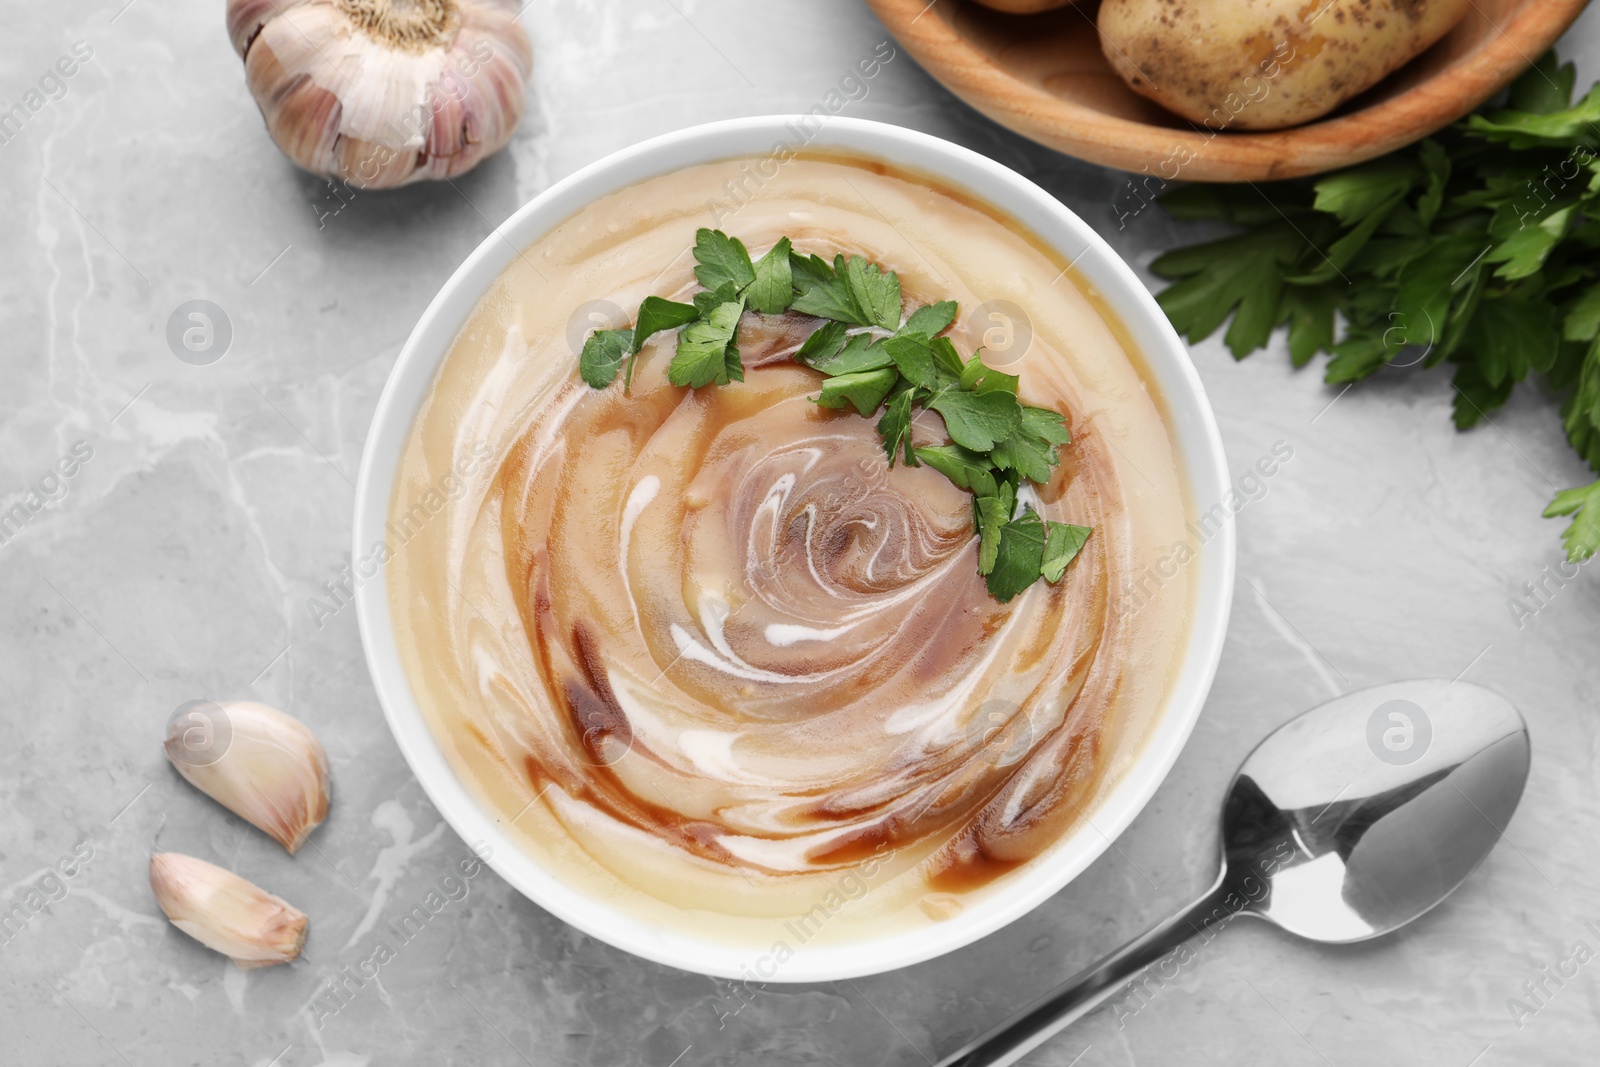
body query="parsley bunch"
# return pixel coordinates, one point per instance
(870, 360)
(1476, 248)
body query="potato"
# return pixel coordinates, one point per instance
(1265, 64)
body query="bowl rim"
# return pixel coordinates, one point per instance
(1191, 422)
(1267, 155)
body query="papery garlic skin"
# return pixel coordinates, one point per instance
(226, 913)
(273, 773)
(380, 93)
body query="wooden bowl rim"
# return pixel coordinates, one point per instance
(1080, 131)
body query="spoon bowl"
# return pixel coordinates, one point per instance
(1365, 812)
(1344, 824)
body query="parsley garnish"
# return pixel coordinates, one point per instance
(721, 260)
(773, 288)
(997, 442)
(708, 349)
(655, 315)
(603, 355)
(1475, 247)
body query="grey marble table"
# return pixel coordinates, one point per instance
(178, 561)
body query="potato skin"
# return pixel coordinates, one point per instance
(1265, 64)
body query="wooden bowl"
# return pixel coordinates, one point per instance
(1043, 76)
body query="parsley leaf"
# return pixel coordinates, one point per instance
(980, 378)
(1522, 130)
(928, 363)
(1358, 193)
(1546, 87)
(722, 260)
(1029, 456)
(858, 354)
(931, 319)
(833, 351)
(968, 469)
(913, 354)
(1524, 252)
(1061, 548)
(707, 349)
(655, 315)
(773, 286)
(821, 292)
(1240, 272)
(977, 421)
(602, 356)
(1582, 538)
(707, 301)
(895, 427)
(1436, 165)
(864, 389)
(1310, 322)
(1031, 449)
(823, 344)
(945, 357)
(993, 511)
(1019, 558)
(1510, 337)
(876, 292)
(1046, 424)
(1582, 322)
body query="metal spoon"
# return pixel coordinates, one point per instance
(1344, 824)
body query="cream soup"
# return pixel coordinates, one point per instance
(704, 654)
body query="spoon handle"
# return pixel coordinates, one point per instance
(1053, 1012)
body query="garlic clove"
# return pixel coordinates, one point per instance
(380, 93)
(226, 913)
(266, 767)
(306, 118)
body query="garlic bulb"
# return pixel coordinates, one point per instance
(379, 93)
(226, 913)
(264, 766)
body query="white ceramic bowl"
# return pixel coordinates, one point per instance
(1191, 423)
